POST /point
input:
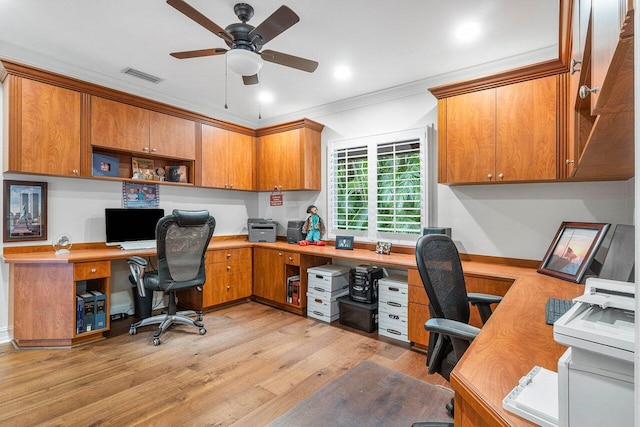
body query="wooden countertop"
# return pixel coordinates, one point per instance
(514, 340)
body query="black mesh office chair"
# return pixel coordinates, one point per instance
(443, 280)
(182, 240)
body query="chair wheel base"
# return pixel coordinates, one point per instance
(157, 341)
(202, 331)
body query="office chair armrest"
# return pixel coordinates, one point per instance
(475, 298)
(483, 302)
(452, 328)
(137, 266)
(137, 260)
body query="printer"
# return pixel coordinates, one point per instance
(262, 230)
(595, 375)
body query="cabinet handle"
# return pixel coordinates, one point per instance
(501, 176)
(568, 161)
(586, 90)
(226, 186)
(229, 255)
(231, 186)
(279, 253)
(575, 62)
(489, 176)
(228, 268)
(154, 149)
(75, 171)
(290, 258)
(145, 149)
(93, 270)
(228, 287)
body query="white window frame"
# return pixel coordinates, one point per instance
(372, 142)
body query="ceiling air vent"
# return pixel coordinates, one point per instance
(139, 74)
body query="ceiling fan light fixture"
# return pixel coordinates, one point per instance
(244, 62)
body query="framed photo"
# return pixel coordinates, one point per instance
(25, 211)
(383, 248)
(104, 165)
(573, 249)
(140, 195)
(344, 242)
(142, 168)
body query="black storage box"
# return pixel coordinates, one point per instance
(358, 315)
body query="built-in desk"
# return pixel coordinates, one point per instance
(516, 338)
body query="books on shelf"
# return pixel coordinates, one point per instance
(79, 314)
(88, 312)
(293, 290)
(100, 314)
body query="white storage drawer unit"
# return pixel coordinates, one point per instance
(393, 306)
(323, 306)
(328, 279)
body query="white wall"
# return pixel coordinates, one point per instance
(516, 221)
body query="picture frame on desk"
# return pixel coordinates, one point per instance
(25, 211)
(344, 242)
(572, 250)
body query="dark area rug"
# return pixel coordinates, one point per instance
(370, 395)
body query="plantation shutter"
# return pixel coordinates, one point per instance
(350, 189)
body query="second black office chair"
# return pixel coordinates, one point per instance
(450, 335)
(182, 239)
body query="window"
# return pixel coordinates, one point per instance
(377, 187)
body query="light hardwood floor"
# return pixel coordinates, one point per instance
(254, 363)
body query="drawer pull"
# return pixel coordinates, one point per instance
(290, 258)
(229, 255)
(228, 287)
(228, 268)
(93, 270)
(393, 304)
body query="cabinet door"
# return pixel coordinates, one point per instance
(280, 161)
(607, 17)
(119, 126)
(215, 165)
(226, 281)
(242, 161)
(171, 136)
(526, 130)
(470, 137)
(268, 275)
(49, 137)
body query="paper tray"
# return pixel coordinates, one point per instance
(535, 397)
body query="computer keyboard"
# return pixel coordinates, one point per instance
(129, 246)
(556, 308)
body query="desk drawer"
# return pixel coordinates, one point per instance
(228, 255)
(223, 268)
(91, 270)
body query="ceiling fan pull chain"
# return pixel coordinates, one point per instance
(259, 103)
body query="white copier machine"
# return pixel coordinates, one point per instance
(595, 375)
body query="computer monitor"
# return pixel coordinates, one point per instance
(131, 225)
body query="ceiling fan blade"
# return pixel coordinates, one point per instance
(190, 12)
(198, 53)
(250, 80)
(278, 22)
(289, 60)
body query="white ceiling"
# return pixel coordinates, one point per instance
(392, 46)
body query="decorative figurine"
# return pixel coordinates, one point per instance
(313, 228)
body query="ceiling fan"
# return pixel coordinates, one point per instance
(245, 55)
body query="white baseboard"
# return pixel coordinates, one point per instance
(4, 335)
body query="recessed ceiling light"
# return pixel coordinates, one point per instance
(467, 31)
(342, 72)
(265, 97)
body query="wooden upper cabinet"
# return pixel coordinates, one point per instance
(289, 156)
(228, 159)
(119, 126)
(607, 19)
(123, 127)
(526, 130)
(470, 136)
(171, 136)
(503, 134)
(43, 123)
